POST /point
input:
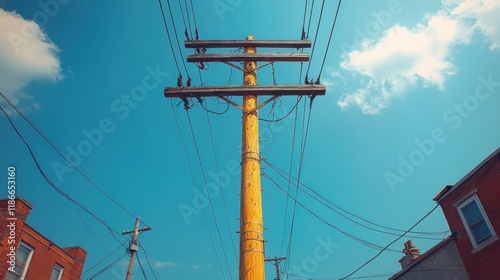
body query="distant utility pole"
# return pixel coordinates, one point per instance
(251, 223)
(276, 261)
(133, 245)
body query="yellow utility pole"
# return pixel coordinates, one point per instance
(251, 223)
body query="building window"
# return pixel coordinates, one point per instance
(23, 257)
(475, 220)
(57, 272)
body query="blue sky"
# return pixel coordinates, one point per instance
(413, 91)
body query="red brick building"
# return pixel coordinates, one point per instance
(27, 254)
(472, 210)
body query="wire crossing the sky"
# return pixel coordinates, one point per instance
(76, 167)
(52, 184)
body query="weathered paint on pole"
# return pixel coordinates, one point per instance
(251, 222)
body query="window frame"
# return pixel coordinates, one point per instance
(476, 246)
(27, 263)
(60, 268)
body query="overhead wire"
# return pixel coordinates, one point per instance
(76, 167)
(140, 266)
(197, 191)
(147, 260)
(194, 18)
(169, 38)
(208, 193)
(103, 259)
(89, 229)
(339, 213)
(52, 184)
(177, 39)
(299, 172)
(355, 238)
(392, 242)
(314, 43)
(329, 40)
(189, 20)
(220, 185)
(186, 32)
(106, 268)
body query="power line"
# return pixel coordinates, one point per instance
(51, 183)
(301, 160)
(315, 40)
(140, 265)
(304, 35)
(90, 230)
(188, 34)
(177, 38)
(197, 191)
(290, 168)
(284, 175)
(76, 167)
(147, 260)
(357, 239)
(392, 242)
(310, 19)
(220, 185)
(194, 18)
(106, 268)
(102, 260)
(208, 193)
(329, 39)
(169, 39)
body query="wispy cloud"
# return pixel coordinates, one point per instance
(27, 54)
(160, 264)
(404, 57)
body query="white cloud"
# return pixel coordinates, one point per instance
(27, 54)
(423, 55)
(485, 15)
(159, 264)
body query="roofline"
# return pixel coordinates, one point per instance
(450, 188)
(20, 199)
(423, 256)
(52, 243)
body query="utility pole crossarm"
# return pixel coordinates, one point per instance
(247, 43)
(231, 57)
(284, 90)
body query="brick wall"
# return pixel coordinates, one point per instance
(46, 254)
(485, 263)
(21, 212)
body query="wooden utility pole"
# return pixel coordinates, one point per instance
(134, 244)
(276, 261)
(251, 223)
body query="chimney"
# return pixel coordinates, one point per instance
(411, 253)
